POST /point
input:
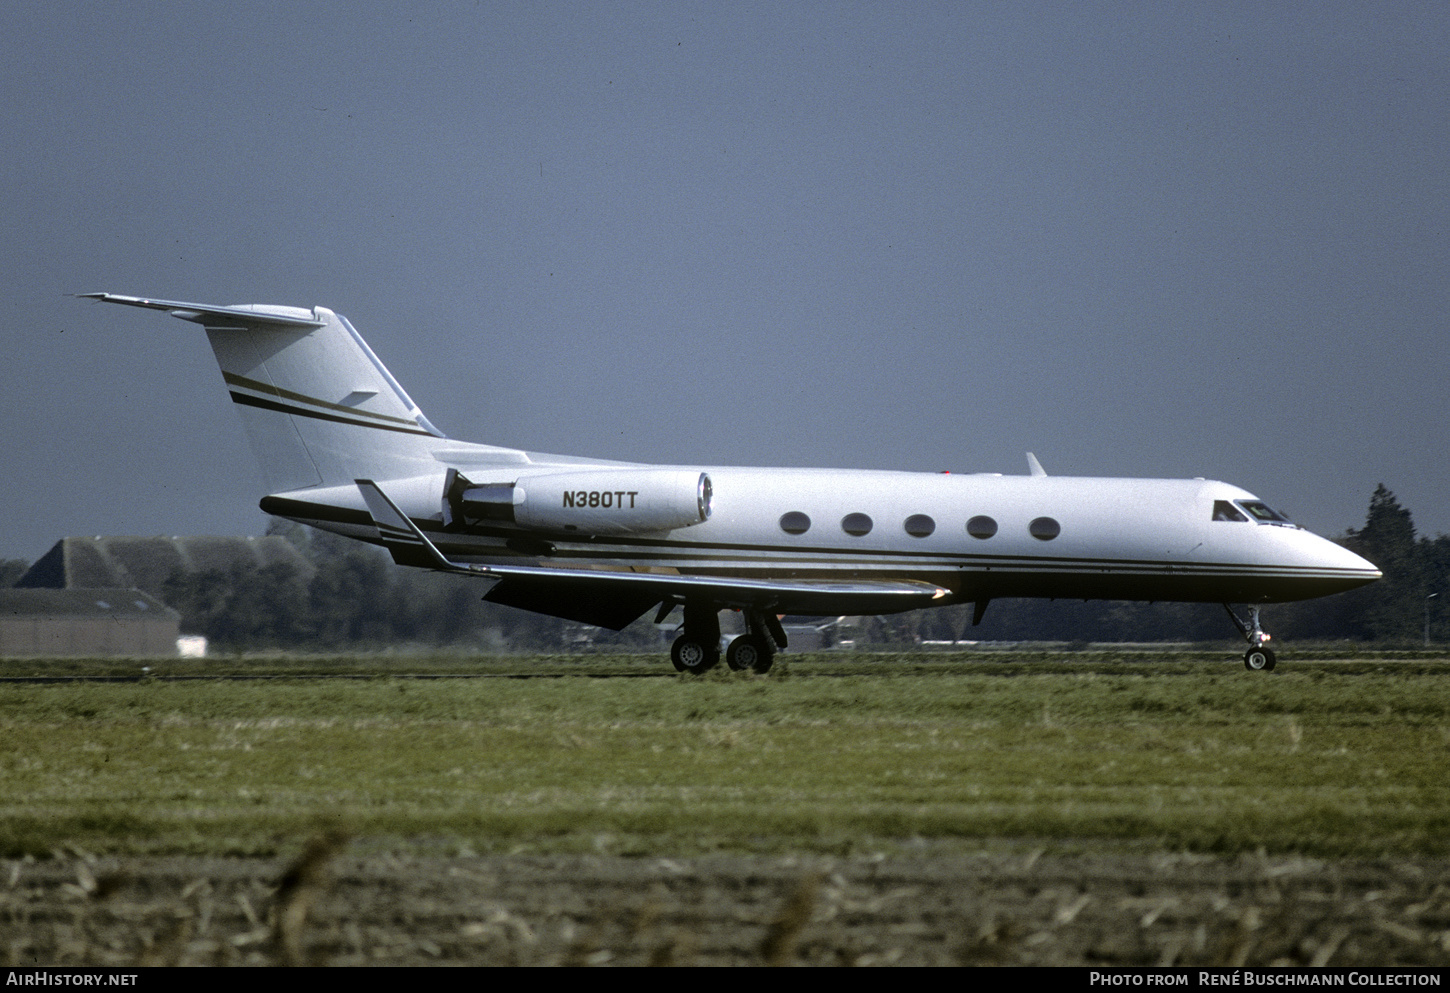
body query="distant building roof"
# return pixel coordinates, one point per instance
(146, 563)
(112, 603)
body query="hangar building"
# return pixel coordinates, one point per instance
(101, 595)
(84, 623)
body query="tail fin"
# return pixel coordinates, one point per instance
(318, 406)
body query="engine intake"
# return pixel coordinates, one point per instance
(597, 501)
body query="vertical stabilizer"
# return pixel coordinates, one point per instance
(318, 407)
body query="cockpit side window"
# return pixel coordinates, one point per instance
(1225, 511)
(1262, 512)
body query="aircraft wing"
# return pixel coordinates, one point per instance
(614, 599)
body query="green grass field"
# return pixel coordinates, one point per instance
(832, 753)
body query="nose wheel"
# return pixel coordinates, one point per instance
(1257, 658)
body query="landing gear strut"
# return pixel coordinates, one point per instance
(1257, 658)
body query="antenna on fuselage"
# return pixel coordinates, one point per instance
(1035, 467)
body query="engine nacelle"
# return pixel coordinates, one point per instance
(592, 501)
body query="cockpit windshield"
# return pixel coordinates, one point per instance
(1262, 512)
(1248, 510)
(1225, 511)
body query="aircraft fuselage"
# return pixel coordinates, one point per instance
(1095, 538)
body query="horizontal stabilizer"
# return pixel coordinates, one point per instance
(212, 316)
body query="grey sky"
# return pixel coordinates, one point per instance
(1137, 239)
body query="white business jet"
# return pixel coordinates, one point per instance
(343, 448)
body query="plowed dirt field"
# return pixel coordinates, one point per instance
(336, 907)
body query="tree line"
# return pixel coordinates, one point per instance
(358, 598)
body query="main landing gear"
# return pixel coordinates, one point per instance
(697, 649)
(1257, 658)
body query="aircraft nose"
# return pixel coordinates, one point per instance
(1343, 568)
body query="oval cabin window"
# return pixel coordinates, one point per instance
(795, 523)
(919, 525)
(856, 524)
(981, 527)
(1044, 529)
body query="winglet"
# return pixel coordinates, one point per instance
(1034, 466)
(404, 539)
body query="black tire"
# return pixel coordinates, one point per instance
(749, 651)
(1259, 660)
(692, 655)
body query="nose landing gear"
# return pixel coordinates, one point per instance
(1257, 658)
